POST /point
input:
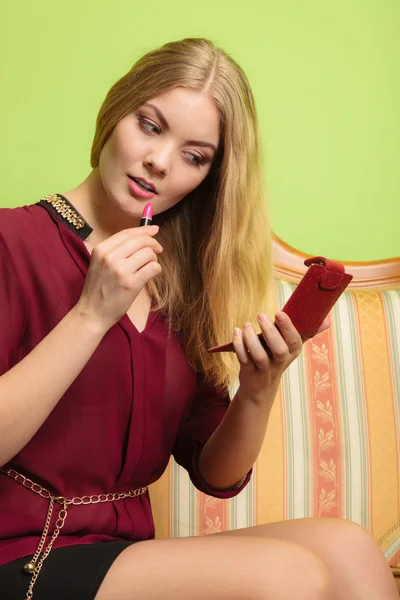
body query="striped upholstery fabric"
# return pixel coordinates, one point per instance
(333, 444)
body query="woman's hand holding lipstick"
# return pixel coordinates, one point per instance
(120, 267)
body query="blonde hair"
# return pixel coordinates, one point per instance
(216, 260)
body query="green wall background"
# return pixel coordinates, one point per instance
(325, 77)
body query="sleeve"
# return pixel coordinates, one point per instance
(12, 317)
(206, 413)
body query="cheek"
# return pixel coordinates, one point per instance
(184, 184)
(107, 156)
(111, 164)
(189, 178)
(119, 149)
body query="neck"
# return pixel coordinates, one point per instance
(91, 200)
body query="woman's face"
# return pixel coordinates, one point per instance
(168, 144)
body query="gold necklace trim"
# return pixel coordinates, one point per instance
(35, 564)
(65, 210)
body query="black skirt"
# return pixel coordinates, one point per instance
(70, 573)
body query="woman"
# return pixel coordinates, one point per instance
(105, 370)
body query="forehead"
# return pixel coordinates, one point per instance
(191, 113)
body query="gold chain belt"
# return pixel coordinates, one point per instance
(33, 567)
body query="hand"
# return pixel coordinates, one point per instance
(260, 374)
(119, 268)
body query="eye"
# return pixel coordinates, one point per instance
(195, 159)
(148, 126)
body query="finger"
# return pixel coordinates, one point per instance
(289, 333)
(122, 272)
(128, 248)
(240, 348)
(126, 234)
(137, 261)
(135, 243)
(254, 346)
(147, 272)
(277, 347)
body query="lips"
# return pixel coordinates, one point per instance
(146, 185)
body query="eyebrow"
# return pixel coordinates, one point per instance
(164, 123)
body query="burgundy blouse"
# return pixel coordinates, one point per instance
(136, 402)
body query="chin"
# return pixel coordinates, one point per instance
(122, 203)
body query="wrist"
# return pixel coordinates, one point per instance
(87, 322)
(263, 397)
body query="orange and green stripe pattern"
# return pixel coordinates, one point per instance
(332, 447)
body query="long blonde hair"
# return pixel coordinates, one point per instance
(216, 261)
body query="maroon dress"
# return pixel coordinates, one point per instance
(135, 403)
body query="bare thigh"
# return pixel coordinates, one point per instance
(216, 568)
(346, 548)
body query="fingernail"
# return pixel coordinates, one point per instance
(247, 324)
(280, 316)
(236, 331)
(262, 317)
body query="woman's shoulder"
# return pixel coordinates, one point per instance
(11, 219)
(21, 224)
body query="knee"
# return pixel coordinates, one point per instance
(352, 546)
(348, 536)
(298, 573)
(312, 578)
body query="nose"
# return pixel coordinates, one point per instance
(158, 161)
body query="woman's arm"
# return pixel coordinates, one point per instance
(233, 448)
(30, 390)
(235, 445)
(119, 269)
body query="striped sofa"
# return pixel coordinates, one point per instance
(332, 447)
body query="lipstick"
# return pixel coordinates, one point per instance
(147, 216)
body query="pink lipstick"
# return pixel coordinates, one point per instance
(147, 216)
